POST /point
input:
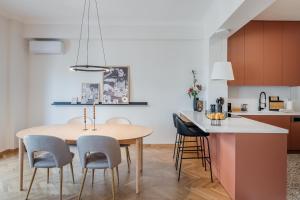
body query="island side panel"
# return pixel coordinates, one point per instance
(261, 167)
(223, 154)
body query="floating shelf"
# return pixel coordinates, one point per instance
(62, 103)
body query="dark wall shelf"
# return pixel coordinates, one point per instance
(61, 103)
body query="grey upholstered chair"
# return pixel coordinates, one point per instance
(122, 120)
(47, 152)
(99, 152)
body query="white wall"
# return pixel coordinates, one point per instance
(3, 83)
(160, 73)
(13, 82)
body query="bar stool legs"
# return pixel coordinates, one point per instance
(205, 154)
(175, 145)
(208, 159)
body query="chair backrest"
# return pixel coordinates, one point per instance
(175, 116)
(118, 120)
(182, 129)
(99, 144)
(79, 121)
(53, 145)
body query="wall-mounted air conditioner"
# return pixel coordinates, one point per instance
(46, 46)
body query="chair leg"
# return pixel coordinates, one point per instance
(209, 160)
(178, 151)
(202, 151)
(113, 183)
(197, 143)
(61, 183)
(72, 171)
(204, 154)
(93, 175)
(128, 158)
(175, 145)
(82, 183)
(117, 170)
(48, 174)
(181, 155)
(34, 172)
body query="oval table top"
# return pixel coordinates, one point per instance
(73, 132)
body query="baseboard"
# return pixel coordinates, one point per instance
(158, 145)
(8, 151)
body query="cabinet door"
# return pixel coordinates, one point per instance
(291, 50)
(254, 53)
(280, 121)
(294, 135)
(236, 55)
(272, 52)
(275, 120)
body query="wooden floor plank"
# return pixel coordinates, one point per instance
(159, 180)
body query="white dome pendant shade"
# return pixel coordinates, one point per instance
(222, 71)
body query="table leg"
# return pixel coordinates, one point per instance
(138, 164)
(142, 157)
(21, 163)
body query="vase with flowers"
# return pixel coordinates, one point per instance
(194, 91)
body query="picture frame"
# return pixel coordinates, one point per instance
(90, 93)
(115, 85)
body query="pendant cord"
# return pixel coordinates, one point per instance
(80, 36)
(88, 37)
(100, 30)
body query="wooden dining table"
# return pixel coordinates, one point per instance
(125, 134)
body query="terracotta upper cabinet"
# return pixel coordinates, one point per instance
(291, 53)
(272, 53)
(254, 53)
(236, 55)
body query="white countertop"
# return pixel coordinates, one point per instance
(267, 112)
(231, 125)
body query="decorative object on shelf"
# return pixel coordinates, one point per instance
(90, 93)
(135, 103)
(244, 107)
(193, 92)
(87, 67)
(84, 119)
(116, 86)
(222, 71)
(94, 117)
(74, 100)
(220, 103)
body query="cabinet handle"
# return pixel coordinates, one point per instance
(296, 119)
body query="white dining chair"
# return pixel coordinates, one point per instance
(79, 120)
(122, 120)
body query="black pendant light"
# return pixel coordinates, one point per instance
(86, 67)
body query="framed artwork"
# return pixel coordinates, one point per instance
(90, 93)
(116, 86)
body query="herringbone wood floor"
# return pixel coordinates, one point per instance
(159, 180)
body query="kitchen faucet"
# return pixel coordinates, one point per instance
(262, 105)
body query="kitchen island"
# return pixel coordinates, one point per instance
(248, 157)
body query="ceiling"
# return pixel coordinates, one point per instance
(118, 12)
(288, 10)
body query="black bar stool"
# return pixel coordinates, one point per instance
(177, 140)
(185, 131)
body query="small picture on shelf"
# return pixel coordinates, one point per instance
(90, 93)
(116, 86)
